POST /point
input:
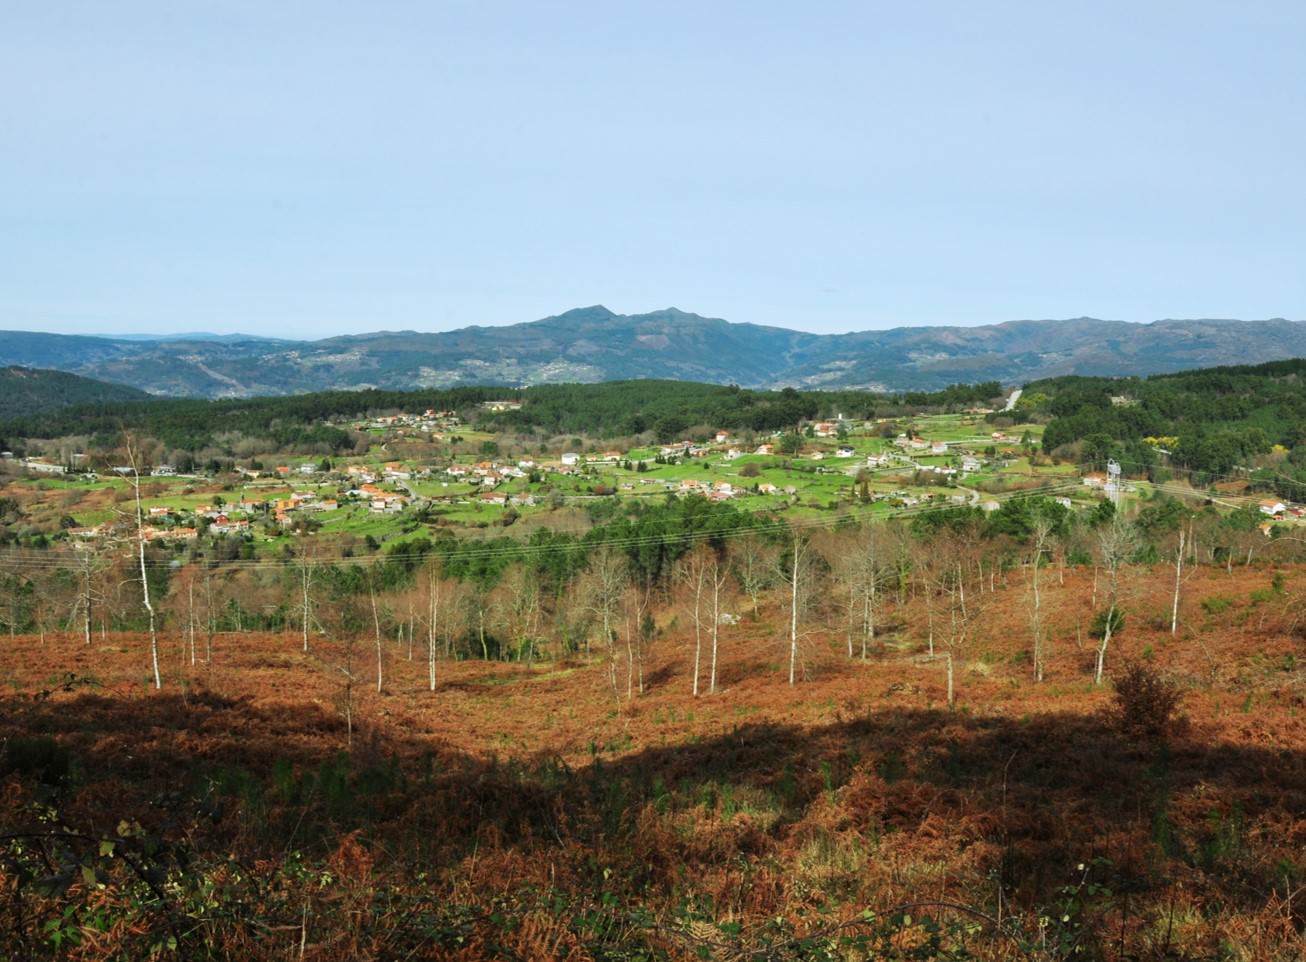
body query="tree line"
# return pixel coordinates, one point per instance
(1210, 422)
(684, 571)
(312, 422)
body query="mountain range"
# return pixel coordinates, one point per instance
(594, 344)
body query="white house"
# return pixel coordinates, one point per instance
(571, 459)
(845, 452)
(1273, 508)
(44, 467)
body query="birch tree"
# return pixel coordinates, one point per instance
(307, 570)
(602, 588)
(434, 568)
(1041, 535)
(719, 577)
(140, 551)
(693, 576)
(1183, 544)
(799, 576)
(755, 566)
(1116, 544)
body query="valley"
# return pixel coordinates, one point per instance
(659, 670)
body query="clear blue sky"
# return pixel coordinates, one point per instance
(314, 168)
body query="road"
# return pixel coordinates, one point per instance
(1011, 401)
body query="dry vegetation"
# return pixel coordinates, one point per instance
(533, 812)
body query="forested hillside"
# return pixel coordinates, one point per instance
(25, 390)
(1211, 422)
(594, 344)
(597, 410)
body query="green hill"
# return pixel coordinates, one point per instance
(26, 390)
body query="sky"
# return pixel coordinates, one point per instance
(307, 169)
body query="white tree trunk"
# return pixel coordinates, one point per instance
(305, 581)
(1178, 575)
(145, 581)
(376, 625)
(716, 623)
(793, 619)
(1101, 650)
(431, 634)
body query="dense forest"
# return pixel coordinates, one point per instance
(25, 391)
(668, 408)
(597, 410)
(1248, 420)
(190, 424)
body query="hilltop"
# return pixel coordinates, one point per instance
(595, 344)
(25, 391)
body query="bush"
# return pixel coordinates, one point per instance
(1146, 703)
(1216, 604)
(1098, 627)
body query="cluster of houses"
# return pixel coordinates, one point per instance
(432, 422)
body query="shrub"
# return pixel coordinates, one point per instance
(1146, 703)
(1216, 604)
(1099, 621)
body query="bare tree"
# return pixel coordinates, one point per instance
(1041, 534)
(1116, 544)
(755, 566)
(306, 563)
(90, 562)
(926, 566)
(210, 614)
(639, 633)
(518, 608)
(181, 601)
(376, 625)
(140, 547)
(693, 573)
(719, 576)
(602, 588)
(433, 572)
(799, 574)
(943, 568)
(1183, 544)
(867, 557)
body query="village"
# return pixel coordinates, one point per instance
(456, 476)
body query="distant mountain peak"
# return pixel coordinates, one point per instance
(595, 312)
(587, 344)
